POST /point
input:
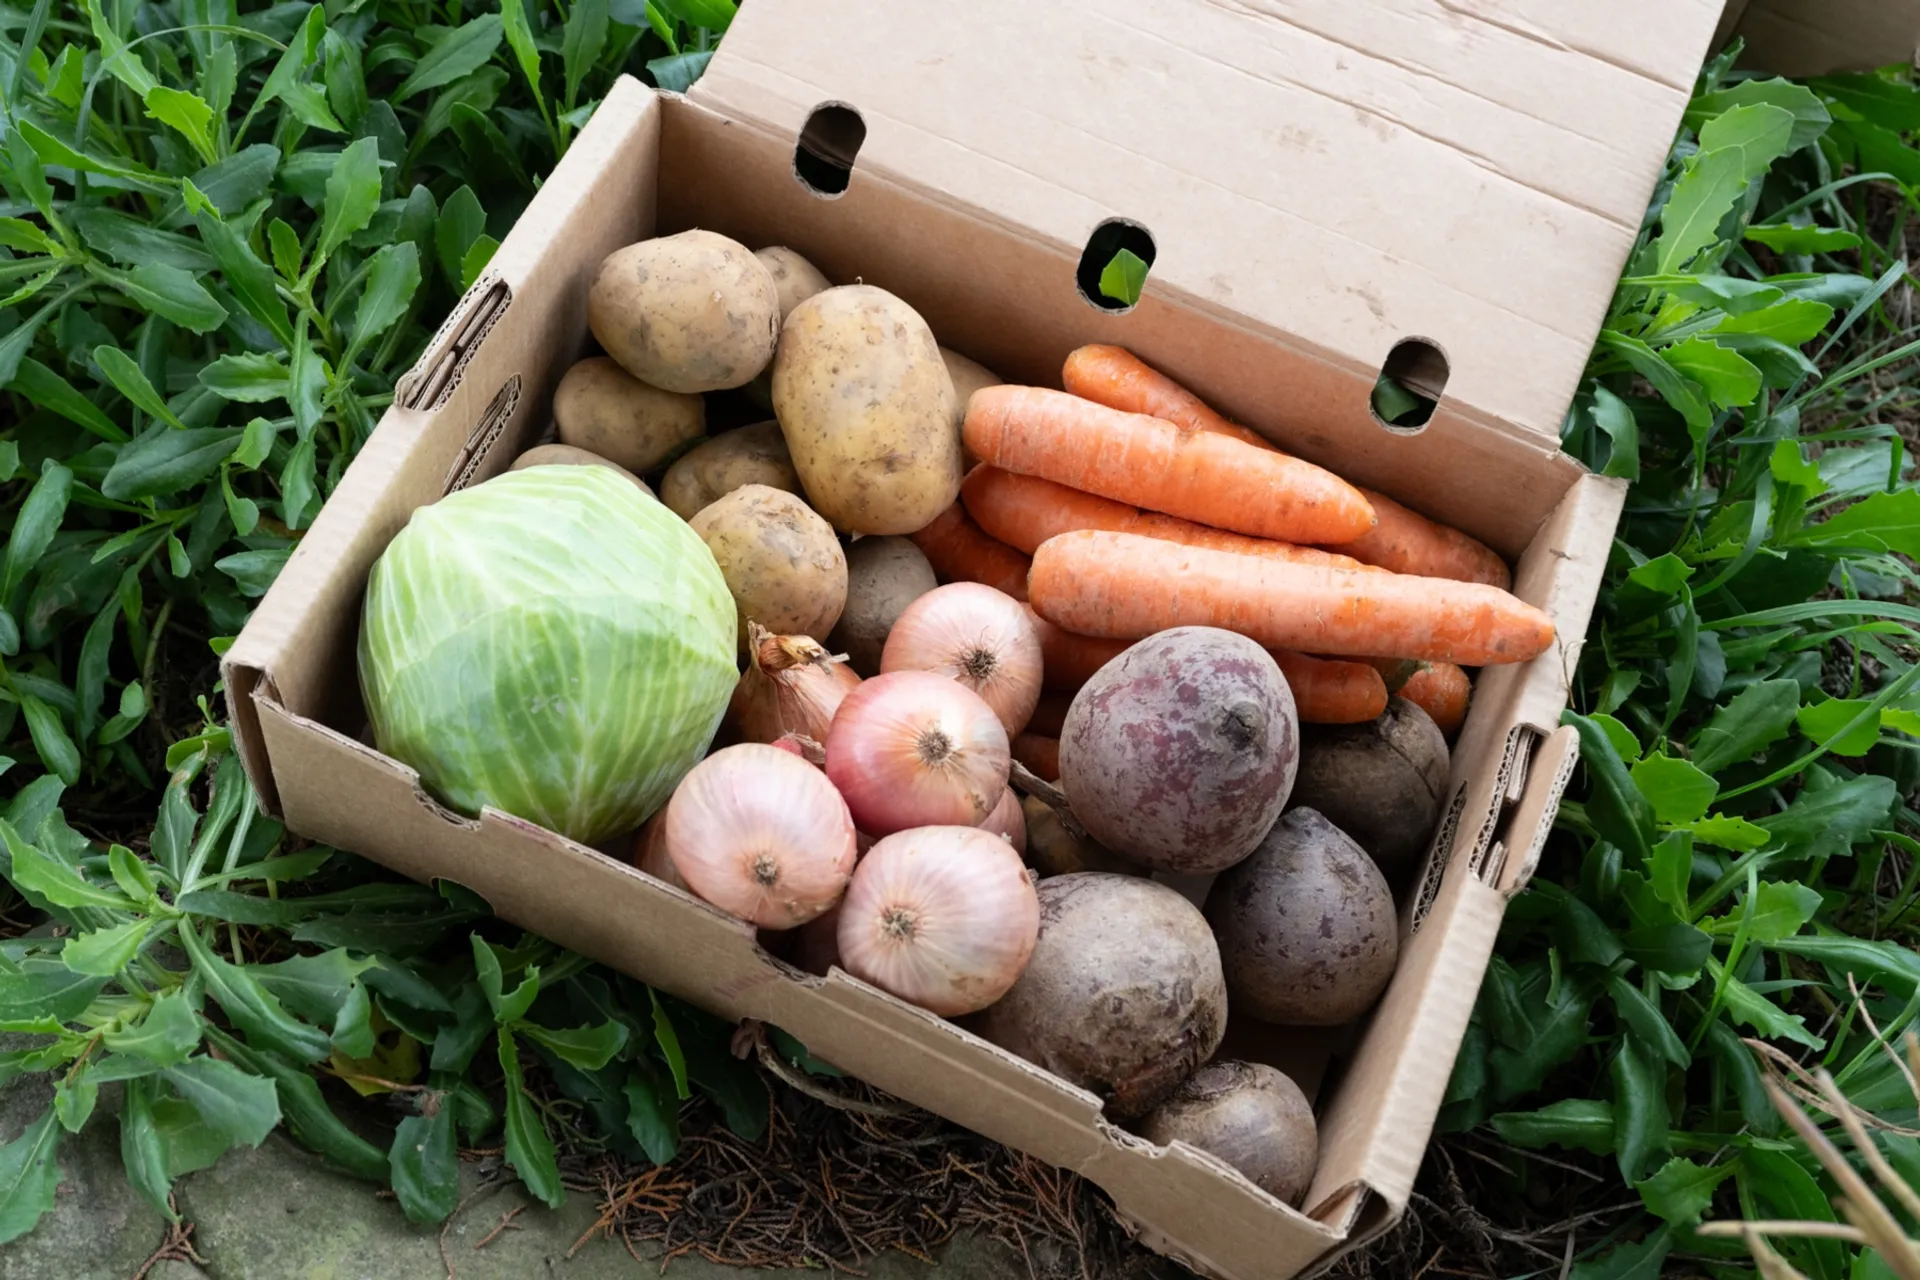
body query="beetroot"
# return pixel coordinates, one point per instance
(1180, 753)
(1250, 1115)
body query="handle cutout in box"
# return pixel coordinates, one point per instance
(829, 143)
(1114, 265)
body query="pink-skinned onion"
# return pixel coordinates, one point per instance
(981, 637)
(913, 749)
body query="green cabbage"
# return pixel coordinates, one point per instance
(554, 643)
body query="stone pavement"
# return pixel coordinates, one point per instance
(277, 1213)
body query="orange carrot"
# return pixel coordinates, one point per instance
(1038, 753)
(960, 552)
(1440, 689)
(1115, 377)
(1051, 715)
(1068, 661)
(1403, 541)
(1124, 586)
(1129, 457)
(1024, 511)
(1407, 542)
(1329, 691)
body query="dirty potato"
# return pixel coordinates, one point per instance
(968, 377)
(689, 313)
(565, 455)
(866, 405)
(794, 278)
(884, 576)
(603, 409)
(781, 561)
(710, 471)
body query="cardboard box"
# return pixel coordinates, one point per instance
(1446, 190)
(1822, 37)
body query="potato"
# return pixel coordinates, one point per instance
(688, 313)
(884, 576)
(968, 378)
(867, 409)
(565, 455)
(603, 409)
(1123, 994)
(781, 561)
(794, 278)
(1180, 753)
(1306, 926)
(1383, 783)
(710, 471)
(1250, 1115)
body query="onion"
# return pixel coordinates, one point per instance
(943, 917)
(913, 749)
(983, 638)
(791, 685)
(1009, 822)
(650, 851)
(762, 834)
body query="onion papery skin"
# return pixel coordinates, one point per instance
(913, 749)
(761, 834)
(791, 685)
(942, 917)
(981, 637)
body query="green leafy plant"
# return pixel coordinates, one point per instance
(1747, 703)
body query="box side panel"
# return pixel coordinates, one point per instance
(1822, 37)
(1509, 767)
(299, 642)
(1354, 175)
(1009, 300)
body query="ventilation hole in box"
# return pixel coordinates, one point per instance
(1439, 853)
(433, 378)
(1410, 385)
(828, 144)
(472, 458)
(1114, 265)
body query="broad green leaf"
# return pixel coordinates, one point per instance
(346, 79)
(49, 989)
(1730, 294)
(1889, 520)
(256, 442)
(1735, 148)
(1724, 832)
(1639, 1107)
(1641, 1260)
(300, 53)
(297, 489)
(1794, 321)
(1826, 724)
(1620, 736)
(1678, 791)
(513, 20)
(1646, 1021)
(456, 1044)
(1730, 380)
(1781, 909)
(49, 390)
(35, 525)
(1674, 949)
(580, 46)
(1617, 808)
(1124, 276)
(714, 15)
(1583, 1124)
(1613, 416)
(27, 238)
(1792, 469)
(30, 175)
(309, 1119)
(104, 952)
(166, 461)
(250, 280)
(1887, 964)
(1757, 717)
(425, 1164)
(462, 221)
(115, 56)
(668, 1041)
(235, 1104)
(186, 113)
(136, 242)
(1781, 1187)
(588, 1048)
(677, 72)
(53, 151)
(1810, 114)
(1751, 1009)
(28, 1175)
(143, 1151)
(253, 1008)
(475, 260)
(353, 193)
(1788, 239)
(464, 49)
(529, 1146)
(36, 871)
(129, 381)
(246, 376)
(393, 274)
(309, 106)
(133, 709)
(313, 986)
(168, 1033)
(1670, 869)
(1833, 819)
(1686, 396)
(653, 1113)
(129, 871)
(1891, 104)
(287, 254)
(51, 740)
(307, 377)
(75, 1094)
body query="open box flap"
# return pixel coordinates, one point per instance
(1822, 37)
(1345, 176)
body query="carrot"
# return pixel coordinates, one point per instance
(1040, 754)
(1151, 463)
(1407, 542)
(1068, 661)
(960, 552)
(1115, 377)
(1330, 691)
(1024, 511)
(1124, 586)
(1403, 541)
(1051, 715)
(1440, 689)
